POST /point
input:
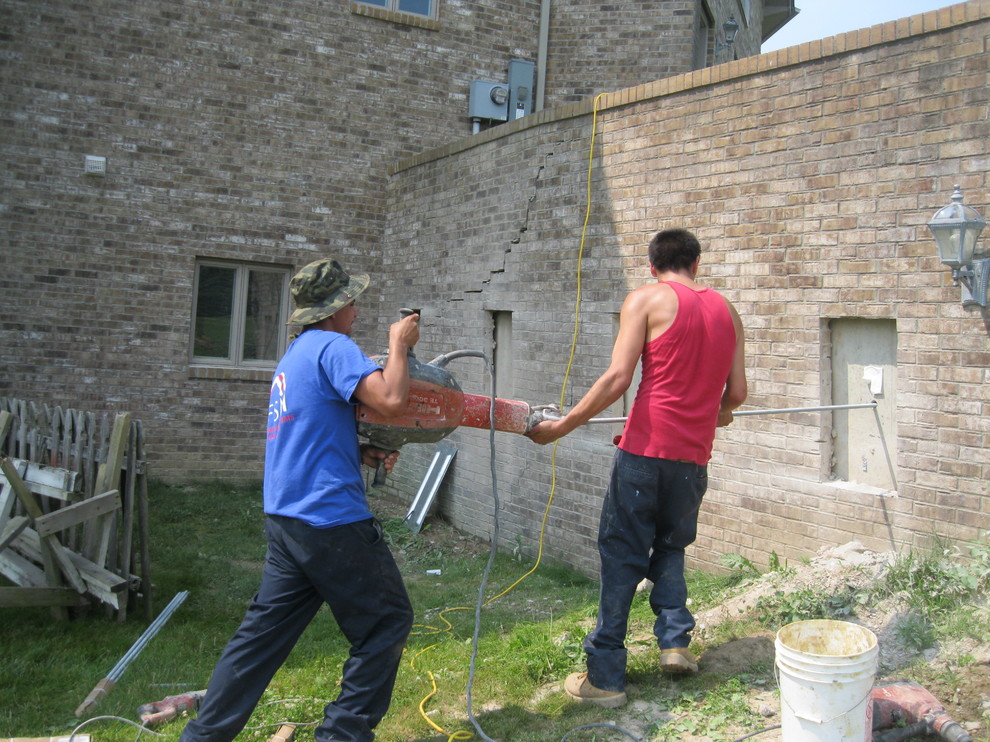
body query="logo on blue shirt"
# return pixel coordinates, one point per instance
(277, 408)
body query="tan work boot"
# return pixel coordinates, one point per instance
(580, 688)
(678, 661)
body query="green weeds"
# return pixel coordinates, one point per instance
(937, 582)
(783, 608)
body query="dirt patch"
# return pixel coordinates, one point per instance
(437, 535)
(955, 672)
(739, 656)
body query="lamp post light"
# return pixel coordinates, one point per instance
(957, 228)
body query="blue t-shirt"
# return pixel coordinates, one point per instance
(312, 457)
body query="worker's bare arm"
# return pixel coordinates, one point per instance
(736, 388)
(387, 391)
(633, 322)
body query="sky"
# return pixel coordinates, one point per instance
(821, 18)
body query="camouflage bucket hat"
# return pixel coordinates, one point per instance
(321, 288)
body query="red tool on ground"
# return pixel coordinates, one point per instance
(908, 710)
(153, 714)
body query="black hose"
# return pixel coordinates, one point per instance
(754, 734)
(444, 358)
(902, 733)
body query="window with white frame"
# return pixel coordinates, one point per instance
(426, 8)
(239, 314)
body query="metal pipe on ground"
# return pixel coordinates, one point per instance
(106, 685)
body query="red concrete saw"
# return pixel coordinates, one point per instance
(438, 406)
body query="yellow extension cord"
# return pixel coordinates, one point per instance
(464, 734)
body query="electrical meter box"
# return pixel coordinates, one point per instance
(488, 100)
(521, 75)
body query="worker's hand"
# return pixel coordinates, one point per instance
(545, 432)
(405, 332)
(371, 455)
(724, 418)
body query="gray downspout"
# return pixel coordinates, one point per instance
(541, 55)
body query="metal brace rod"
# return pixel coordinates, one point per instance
(807, 409)
(778, 411)
(106, 685)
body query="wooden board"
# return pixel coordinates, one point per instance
(50, 481)
(98, 581)
(19, 570)
(73, 515)
(11, 530)
(7, 498)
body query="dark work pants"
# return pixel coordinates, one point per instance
(650, 504)
(351, 569)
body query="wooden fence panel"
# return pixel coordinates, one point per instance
(81, 442)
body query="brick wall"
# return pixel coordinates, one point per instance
(633, 42)
(265, 132)
(615, 38)
(808, 174)
(628, 43)
(240, 130)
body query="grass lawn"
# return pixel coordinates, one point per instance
(208, 539)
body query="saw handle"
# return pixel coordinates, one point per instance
(380, 474)
(380, 471)
(542, 413)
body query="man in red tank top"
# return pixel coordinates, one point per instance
(690, 340)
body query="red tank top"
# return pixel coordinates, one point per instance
(684, 374)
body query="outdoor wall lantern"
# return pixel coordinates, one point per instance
(731, 28)
(957, 228)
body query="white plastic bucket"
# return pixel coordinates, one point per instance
(826, 671)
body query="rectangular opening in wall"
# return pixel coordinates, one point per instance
(864, 368)
(503, 355)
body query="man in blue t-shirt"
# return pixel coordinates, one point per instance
(324, 546)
